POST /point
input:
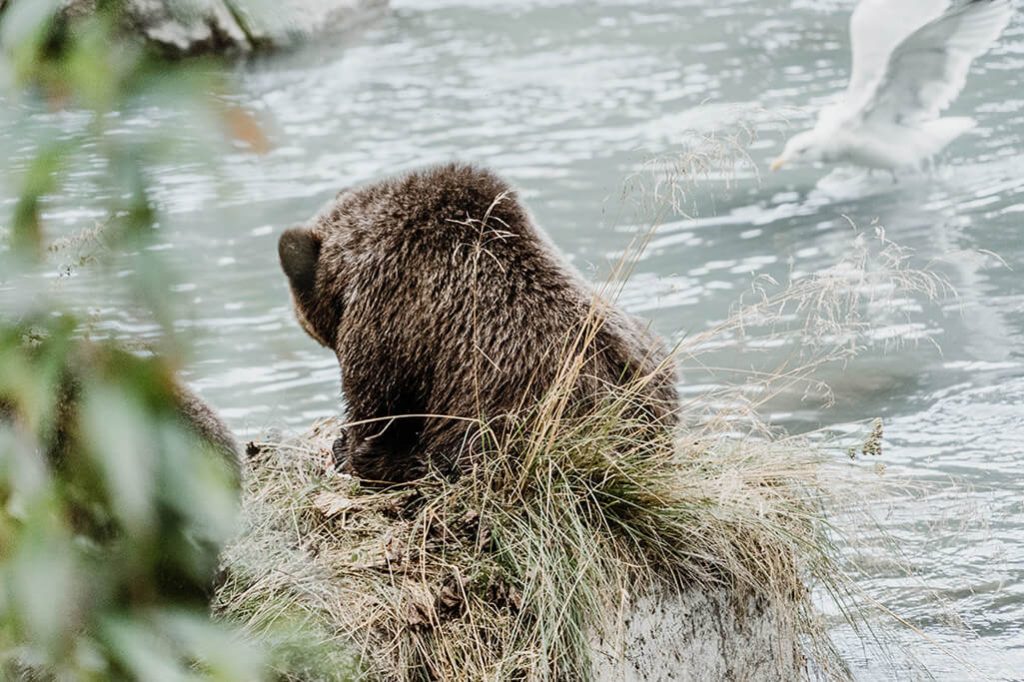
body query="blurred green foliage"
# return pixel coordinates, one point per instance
(89, 64)
(112, 512)
(113, 516)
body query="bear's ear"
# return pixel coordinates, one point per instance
(299, 250)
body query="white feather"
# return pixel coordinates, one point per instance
(877, 27)
(927, 71)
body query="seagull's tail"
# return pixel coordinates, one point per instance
(942, 131)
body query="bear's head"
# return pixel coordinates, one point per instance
(312, 257)
(373, 241)
(316, 257)
(299, 250)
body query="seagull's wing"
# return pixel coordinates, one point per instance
(928, 70)
(877, 27)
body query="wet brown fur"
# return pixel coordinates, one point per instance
(440, 296)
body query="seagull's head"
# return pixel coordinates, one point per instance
(803, 148)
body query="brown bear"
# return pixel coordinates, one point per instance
(60, 424)
(446, 305)
(200, 421)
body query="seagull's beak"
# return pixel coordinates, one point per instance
(778, 163)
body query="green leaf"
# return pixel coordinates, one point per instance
(120, 436)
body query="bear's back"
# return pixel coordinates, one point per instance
(458, 283)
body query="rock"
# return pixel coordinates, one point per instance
(188, 27)
(701, 634)
(291, 21)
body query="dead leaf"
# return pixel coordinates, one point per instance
(419, 609)
(392, 550)
(452, 595)
(331, 504)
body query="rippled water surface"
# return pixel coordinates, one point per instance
(570, 101)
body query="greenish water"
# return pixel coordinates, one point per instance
(568, 100)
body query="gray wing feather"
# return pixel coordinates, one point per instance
(928, 70)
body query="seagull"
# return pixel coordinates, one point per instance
(910, 61)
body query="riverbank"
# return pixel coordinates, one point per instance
(597, 562)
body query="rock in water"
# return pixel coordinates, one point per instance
(290, 21)
(188, 27)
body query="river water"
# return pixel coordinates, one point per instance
(570, 100)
